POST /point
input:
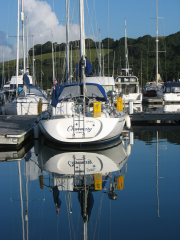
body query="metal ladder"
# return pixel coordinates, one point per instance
(79, 166)
(76, 122)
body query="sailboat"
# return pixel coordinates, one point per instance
(81, 112)
(84, 173)
(30, 100)
(151, 89)
(128, 84)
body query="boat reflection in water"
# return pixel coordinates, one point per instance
(83, 173)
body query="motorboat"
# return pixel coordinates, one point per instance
(130, 88)
(169, 92)
(128, 84)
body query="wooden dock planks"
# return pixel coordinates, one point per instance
(16, 129)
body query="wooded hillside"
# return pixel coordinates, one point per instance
(141, 53)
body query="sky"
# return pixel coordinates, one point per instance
(46, 21)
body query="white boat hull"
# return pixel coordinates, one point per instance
(60, 162)
(97, 130)
(169, 97)
(23, 108)
(135, 97)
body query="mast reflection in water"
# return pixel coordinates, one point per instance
(54, 194)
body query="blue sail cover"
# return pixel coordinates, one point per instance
(58, 96)
(26, 80)
(55, 95)
(88, 68)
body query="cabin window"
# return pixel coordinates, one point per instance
(168, 89)
(69, 92)
(93, 91)
(132, 88)
(175, 89)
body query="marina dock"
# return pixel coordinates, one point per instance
(15, 130)
(146, 116)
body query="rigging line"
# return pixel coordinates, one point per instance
(12, 208)
(96, 24)
(99, 213)
(91, 23)
(42, 220)
(72, 17)
(110, 219)
(65, 193)
(108, 36)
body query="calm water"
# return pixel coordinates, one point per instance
(143, 176)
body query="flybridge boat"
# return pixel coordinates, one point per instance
(169, 92)
(129, 87)
(82, 119)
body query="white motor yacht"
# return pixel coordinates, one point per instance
(130, 89)
(169, 92)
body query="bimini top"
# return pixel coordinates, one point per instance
(171, 87)
(76, 89)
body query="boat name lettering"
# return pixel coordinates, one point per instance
(71, 128)
(88, 121)
(71, 164)
(90, 169)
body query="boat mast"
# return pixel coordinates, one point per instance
(82, 47)
(157, 42)
(22, 20)
(157, 154)
(20, 189)
(71, 73)
(33, 61)
(3, 71)
(27, 199)
(52, 56)
(67, 41)
(27, 46)
(125, 49)
(17, 59)
(99, 62)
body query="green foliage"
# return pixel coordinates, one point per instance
(141, 52)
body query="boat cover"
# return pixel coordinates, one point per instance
(75, 90)
(173, 87)
(88, 68)
(33, 91)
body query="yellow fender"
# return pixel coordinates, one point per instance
(119, 104)
(120, 182)
(40, 106)
(41, 181)
(98, 181)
